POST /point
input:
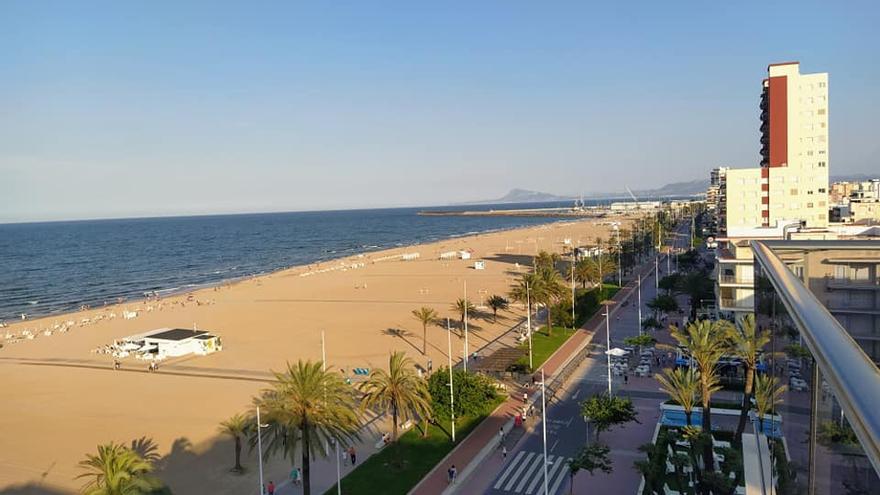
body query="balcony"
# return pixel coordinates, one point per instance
(733, 280)
(847, 284)
(739, 305)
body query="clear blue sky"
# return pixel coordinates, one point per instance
(112, 109)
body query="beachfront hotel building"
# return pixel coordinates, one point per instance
(787, 193)
(791, 185)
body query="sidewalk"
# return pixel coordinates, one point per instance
(486, 432)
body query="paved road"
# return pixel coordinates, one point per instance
(522, 472)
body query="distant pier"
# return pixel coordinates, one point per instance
(593, 212)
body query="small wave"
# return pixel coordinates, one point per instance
(33, 303)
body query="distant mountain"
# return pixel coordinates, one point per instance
(524, 196)
(675, 189)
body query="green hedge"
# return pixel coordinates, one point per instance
(397, 468)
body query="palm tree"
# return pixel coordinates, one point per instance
(398, 390)
(706, 344)
(546, 260)
(425, 316)
(683, 386)
(523, 288)
(745, 342)
(586, 270)
(767, 395)
(236, 427)
(549, 290)
(496, 302)
(117, 470)
(309, 405)
(463, 307)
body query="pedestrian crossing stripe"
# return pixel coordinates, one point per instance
(525, 474)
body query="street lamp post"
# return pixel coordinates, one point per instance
(619, 269)
(572, 288)
(657, 271)
(465, 362)
(544, 427)
(529, 322)
(335, 442)
(607, 303)
(260, 427)
(451, 395)
(639, 277)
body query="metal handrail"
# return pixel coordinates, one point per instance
(849, 372)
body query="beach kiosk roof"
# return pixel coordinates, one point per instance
(175, 334)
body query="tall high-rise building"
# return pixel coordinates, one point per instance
(791, 186)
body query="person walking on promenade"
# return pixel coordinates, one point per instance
(451, 473)
(525, 397)
(625, 378)
(503, 453)
(270, 488)
(353, 455)
(501, 435)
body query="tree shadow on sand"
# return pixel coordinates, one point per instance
(512, 259)
(33, 489)
(402, 334)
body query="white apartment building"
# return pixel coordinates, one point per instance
(792, 183)
(789, 191)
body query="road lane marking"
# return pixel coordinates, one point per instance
(509, 469)
(518, 471)
(527, 474)
(559, 477)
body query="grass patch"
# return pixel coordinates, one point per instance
(397, 468)
(543, 346)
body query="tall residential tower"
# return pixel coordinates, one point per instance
(791, 185)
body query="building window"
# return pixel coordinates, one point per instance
(821, 164)
(821, 189)
(794, 192)
(809, 205)
(821, 111)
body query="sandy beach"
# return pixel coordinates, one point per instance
(61, 399)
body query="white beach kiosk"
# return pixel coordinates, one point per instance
(173, 342)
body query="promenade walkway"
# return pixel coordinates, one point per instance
(475, 445)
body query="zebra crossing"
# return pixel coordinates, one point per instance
(525, 474)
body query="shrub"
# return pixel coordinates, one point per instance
(472, 392)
